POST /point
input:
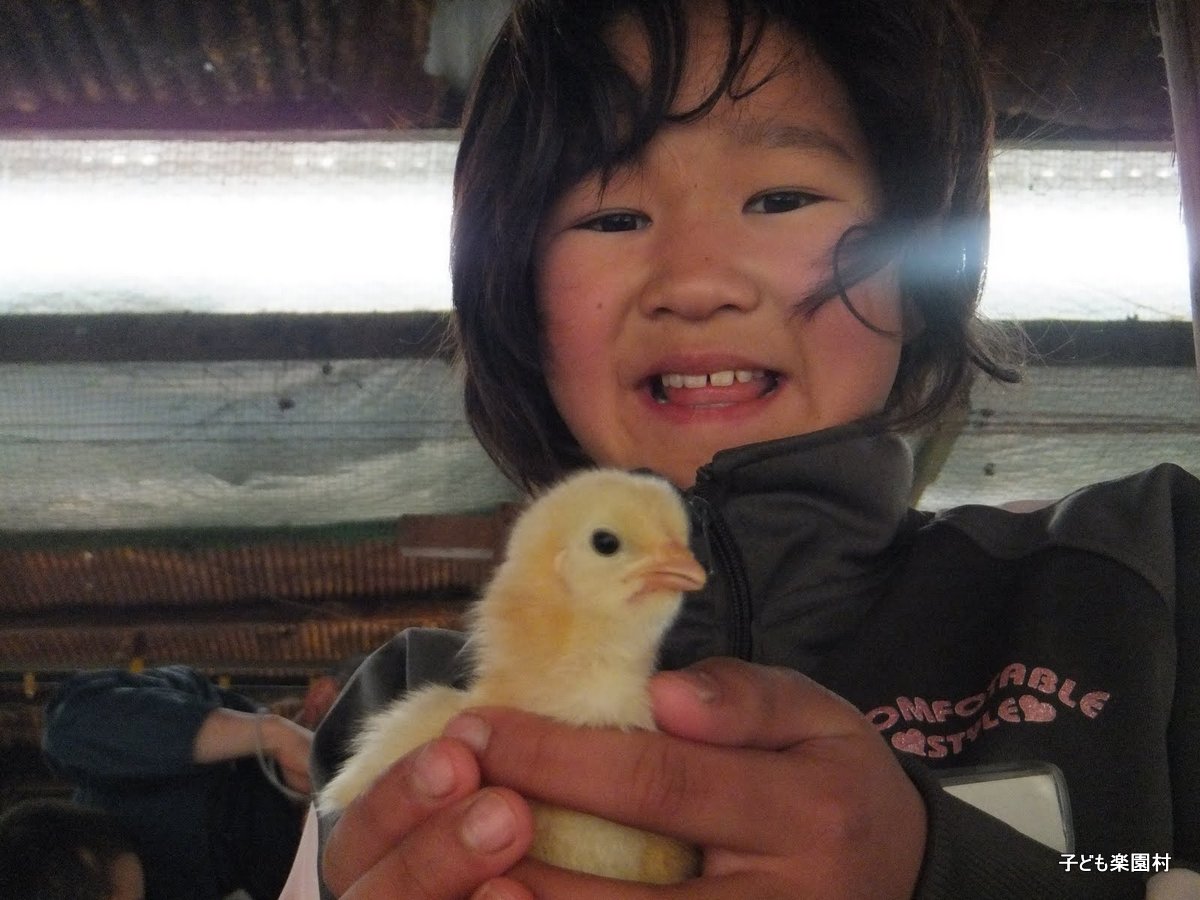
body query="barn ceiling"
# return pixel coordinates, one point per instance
(1059, 67)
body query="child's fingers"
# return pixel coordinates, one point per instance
(453, 852)
(766, 766)
(423, 822)
(737, 704)
(712, 796)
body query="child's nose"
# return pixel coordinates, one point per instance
(698, 273)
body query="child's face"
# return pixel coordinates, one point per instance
(127, 877)
(688, 268)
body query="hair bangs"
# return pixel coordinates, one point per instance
(611, 107)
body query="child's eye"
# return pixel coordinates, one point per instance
(780, 201)
(615, 221)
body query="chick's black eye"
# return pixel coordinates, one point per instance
(605, 542)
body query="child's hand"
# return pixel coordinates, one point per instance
(290, 745)
(786, 787)
(425, 831)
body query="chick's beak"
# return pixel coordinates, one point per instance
(673, 568)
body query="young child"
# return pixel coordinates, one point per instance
(179, 763)
(51, 849)
(741, 244)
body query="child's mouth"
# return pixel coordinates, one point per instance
(713, 388)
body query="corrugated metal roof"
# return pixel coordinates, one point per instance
(1058, 65)
(276, 608)
(289, 651)
(215, 64)
(1076, 64)
(124, 578)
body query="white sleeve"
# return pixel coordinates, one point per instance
(303, 883)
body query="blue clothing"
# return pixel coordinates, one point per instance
(202, 831)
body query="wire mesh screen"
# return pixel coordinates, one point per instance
(1081, 233)
(145, 225)
(362, 224)
(163, 445)
(1065, 427)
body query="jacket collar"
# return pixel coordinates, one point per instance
(799, 535)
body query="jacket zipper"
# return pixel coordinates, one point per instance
(727, 559)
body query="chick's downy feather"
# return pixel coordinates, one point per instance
(569, 627)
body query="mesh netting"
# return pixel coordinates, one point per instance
(362, 224)
(161, 445)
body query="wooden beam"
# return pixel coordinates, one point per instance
(1179, 24)
(240, 648)
(216, 337)
(210, 337)
(1129, 342)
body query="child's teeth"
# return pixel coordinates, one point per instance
(721, 379)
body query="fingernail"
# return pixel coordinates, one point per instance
(471, 730)
(699, 684)
(488, 825)
(432, 774)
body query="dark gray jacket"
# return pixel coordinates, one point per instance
(1067, 636)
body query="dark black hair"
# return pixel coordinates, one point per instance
(53, 849)
(553, 104)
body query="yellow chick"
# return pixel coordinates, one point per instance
(569, 627)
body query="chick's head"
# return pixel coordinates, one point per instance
(618, 543)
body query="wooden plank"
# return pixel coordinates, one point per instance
(279, 649)
(213, 337)
(1179, 24)
(204, 337)
(1131, 342)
